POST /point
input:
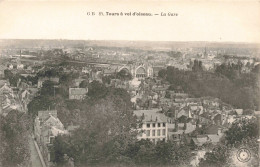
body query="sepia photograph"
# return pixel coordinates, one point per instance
(120, 83)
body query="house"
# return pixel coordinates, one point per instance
(214, 129)
(46, 127)
(200, 140)
(176, 131)
(239, 111)
(154, 125)
(160, 90)
(10, 66)
(20, 66)
(77, 93)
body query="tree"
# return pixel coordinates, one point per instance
(124, 75)
(14, 146)
(217, 158)
(8, 74)
(97, 90)
(40, 103)
(162, 73)
(14, 79)
(242, 133)
(47, 88)
(107, 127)
(84, 84)
(107, 79)
(58, 151)
(240, 130)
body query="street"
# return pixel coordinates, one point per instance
(35, 159)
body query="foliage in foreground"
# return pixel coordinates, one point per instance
(14, 145)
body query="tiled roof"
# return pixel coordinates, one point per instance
(215, 138)
(151, 115)
(200, 140)
(189, 128)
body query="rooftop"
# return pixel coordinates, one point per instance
(152, 115)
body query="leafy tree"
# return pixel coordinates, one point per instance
(106, 129)
(242, 133)
(51, 73)
(14, 146)
(33, 80)
(8, 73)
(58, 150)
(226, 83)
(124, 75)
(107, 79)
(14, 79)
(241, 129)
(162, 73)
(217, 158)
(97, 90)
(40, 103)
(47, 88)
(84, 84)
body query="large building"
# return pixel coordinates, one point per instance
(77, 93)
(154, 125)
(142, 70)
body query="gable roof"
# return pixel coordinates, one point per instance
(200, 140)
(153, 115)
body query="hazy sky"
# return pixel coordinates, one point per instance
(236, 21)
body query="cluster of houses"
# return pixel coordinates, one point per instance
(165, 114)
(7, 98)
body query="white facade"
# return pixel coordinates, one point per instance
(153, 131)
(154, 125)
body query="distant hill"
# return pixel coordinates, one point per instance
(154, 45)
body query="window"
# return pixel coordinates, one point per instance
(153, 125)
(159, 125)
(163, 124)
(148, 125)
(148, 133)
(158, 132)
(153, 132)
(163, 132)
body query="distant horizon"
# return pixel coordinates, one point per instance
(67, 39)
